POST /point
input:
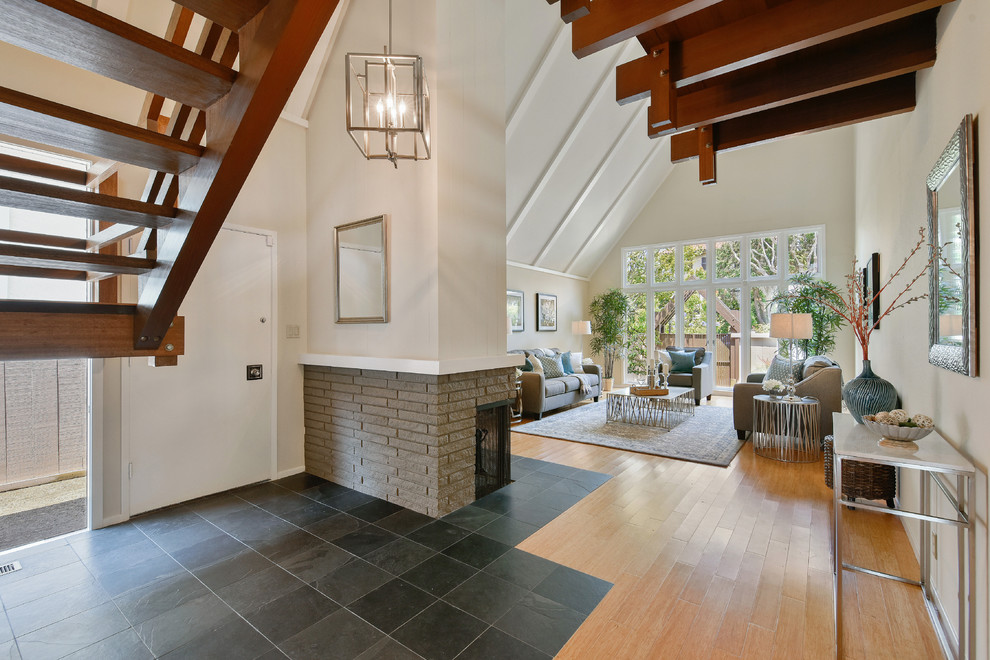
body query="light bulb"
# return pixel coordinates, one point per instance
(402, 107)
(389, 102)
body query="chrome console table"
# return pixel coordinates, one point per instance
(936, 461)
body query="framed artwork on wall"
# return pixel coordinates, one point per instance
(871, 285)
(546, 312)
(514, 310)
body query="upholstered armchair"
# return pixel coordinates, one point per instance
(824, 384)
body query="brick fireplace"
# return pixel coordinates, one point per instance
(404, 437)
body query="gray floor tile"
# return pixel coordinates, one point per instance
(509, 531)
(189, 535)
(158, 523)
(365, 541)
(147, 602)
(541, 622)
(391, 605)
(209, 552)
(285, 503)
(340, 636)
(259, 588)
(521, 568)
(336, 526)
(438, 535)
(579, 591)
(8, 651)
(399, 556)
(44, 584)
(125, 645)
(485, 597)
(375, 510)
(494, 643)
(315, 563)
(471, 518)
(477, 550)
(351, 581)
(5, 632)
(404, 522)
(288, 544)
(558, 501)
(124, 557)
(439, 574)
(227, 571)
(290, 614)
(324, 492)
(151, 570)
(300, 482)
(389, 649)
(103, 540)
(234, 639)
(308, 514)
(177, 626)
(72, 634)
(217, 506)
(55, 607)
(440, 632)
(37, 562)
(532, 512)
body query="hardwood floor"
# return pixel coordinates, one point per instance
(732, 562)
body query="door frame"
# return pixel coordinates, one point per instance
(125, 395)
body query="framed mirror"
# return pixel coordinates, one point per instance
(952, 280)
(362, 264)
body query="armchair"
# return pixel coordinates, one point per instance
(824, 384)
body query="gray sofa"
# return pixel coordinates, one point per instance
(540, 394)
(701, 378)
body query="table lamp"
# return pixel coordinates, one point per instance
(581, 328)
(790, 326)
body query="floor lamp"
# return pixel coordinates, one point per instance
(790, 327)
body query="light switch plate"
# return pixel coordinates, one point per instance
(292, 332)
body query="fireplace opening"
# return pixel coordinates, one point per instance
(492, 456)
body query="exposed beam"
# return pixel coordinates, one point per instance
(273, 56)
(74, 33)
(873, 101)
(43, 257)
(536, 80)
(571, 136)
(47, 198)
(613, 21)
(46, 240)
(231, 14)
(633, 181)
(33, 330)
(786, 28)
(634, 120)
(706, 155)
(32, 118)
(36, 168)
(886, 52)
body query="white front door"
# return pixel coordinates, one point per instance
(202, 427)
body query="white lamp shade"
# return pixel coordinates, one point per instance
(508, 324)
(790, 326)
(580, 327)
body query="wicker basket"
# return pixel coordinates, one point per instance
(867, 481)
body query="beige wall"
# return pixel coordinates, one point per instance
(572, 305)
(795, 182)
(893, 158)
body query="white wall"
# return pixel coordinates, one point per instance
(794, 182)
(893, 159)
(572, 305)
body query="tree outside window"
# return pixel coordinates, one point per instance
(636, 268)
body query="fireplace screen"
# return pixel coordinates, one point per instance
(492, 452)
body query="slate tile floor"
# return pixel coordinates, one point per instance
(304, 568)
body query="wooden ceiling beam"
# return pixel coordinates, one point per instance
(74, 33)
(47, 198)
(851, 106)
(878, 54)
(39, 120)
(59, 259)
(231, 14)
(613, 21)
(36, 168)
(40, 330)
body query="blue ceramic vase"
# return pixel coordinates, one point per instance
(868, 394)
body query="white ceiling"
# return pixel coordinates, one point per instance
(579, 167)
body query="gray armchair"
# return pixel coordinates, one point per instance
(825, 385)
(701, 378)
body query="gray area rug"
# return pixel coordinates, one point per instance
(25, 527)
(708, 437)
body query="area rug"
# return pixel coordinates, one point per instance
(25, 527)
(708, 437)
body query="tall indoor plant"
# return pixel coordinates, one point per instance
(609, 315)
(867, 393)
(808, 295)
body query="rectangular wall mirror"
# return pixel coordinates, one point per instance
(952, 327)
(362, 264)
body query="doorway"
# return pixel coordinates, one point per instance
(203, 426)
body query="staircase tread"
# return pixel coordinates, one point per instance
(45, 257)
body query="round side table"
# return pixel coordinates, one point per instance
(787, 429)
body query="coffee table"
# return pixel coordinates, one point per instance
(663, 412)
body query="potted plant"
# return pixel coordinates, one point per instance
(609, 315)
(809, 295)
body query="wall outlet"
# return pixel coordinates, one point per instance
(292, 332)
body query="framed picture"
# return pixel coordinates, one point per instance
(546, 312)
(514, 310)
(871, 285)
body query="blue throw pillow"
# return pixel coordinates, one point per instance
(526, 366)
(565, 359)
(682, 361)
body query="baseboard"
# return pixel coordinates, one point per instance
(113, 520)
(291, 471)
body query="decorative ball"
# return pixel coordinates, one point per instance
(899, 415)
(883, 418)
(923, 421)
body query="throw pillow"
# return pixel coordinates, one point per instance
(552, 367)
(526, 366)
(697, 351)
(537, 365)
(565, 361)
(779, 369)
(814, 364)
(577, 359)
(683, 361)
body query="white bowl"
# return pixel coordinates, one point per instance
(895, 432)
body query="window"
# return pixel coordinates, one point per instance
(664, 264)
(802, 253)
(728, 259)
(638, 334)
(695, 261)
(635, 268)
(763, 257)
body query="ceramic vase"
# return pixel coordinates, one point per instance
(868, 394)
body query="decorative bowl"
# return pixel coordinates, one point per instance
(895, 432)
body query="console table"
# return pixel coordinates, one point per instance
(935, 460)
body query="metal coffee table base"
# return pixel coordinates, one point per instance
(663, 412)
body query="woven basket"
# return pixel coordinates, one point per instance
(867, 481)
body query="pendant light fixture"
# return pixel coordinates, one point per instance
(388, 104)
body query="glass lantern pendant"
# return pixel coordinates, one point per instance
(388, 104)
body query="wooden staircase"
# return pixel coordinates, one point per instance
(224, 98)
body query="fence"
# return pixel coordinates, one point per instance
(43, 421)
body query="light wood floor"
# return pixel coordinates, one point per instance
(730, 562)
